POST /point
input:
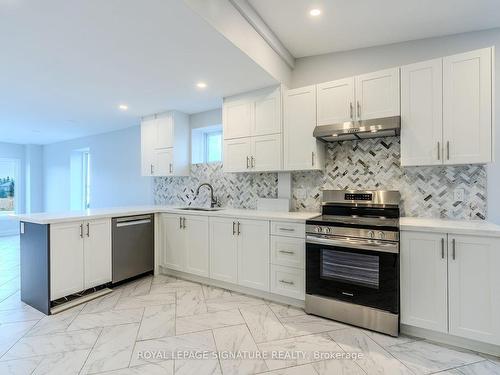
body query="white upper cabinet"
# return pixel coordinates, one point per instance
(421, 113)
(237, 153)
(474, 287)
(252, 114)
(424, 284)
(165, 145)
(467, 107)
(301, 150)
(377, 94)
(266, 153)
(238, 119)
(268, 113)
(446, 110)
(335, 101)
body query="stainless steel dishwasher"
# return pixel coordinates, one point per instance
(133, 246)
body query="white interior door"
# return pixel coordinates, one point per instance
(377, 94)
(223, 249)
(266, 153)
(424, 280)
(253, 254)
(474, 287)
(299, 123)
(197, 245)
(66, 259)
(175, 242)
(237, 153)
(148, 143)
(165, 131)
(335, 101)
(268, 113)
(97, 252)
(467, 115)
(238, 119)
(422, 113)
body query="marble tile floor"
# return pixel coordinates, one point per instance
(162, 325)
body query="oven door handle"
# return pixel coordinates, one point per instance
(356, 243)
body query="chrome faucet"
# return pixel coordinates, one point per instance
(213, 200)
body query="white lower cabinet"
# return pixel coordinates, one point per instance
(223, 249)
(253, 254)
(239, 252)
(186, 243)
(474, 287)
(80, 256)
(450, 283)
(424, 281)
(288, 281)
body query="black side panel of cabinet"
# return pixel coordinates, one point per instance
(35, 266)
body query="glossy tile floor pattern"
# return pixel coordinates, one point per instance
(135, 329)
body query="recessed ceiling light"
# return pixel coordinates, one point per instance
(123, 107)
(315, 12)
(201, 85)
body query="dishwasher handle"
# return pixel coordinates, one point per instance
(133, 220)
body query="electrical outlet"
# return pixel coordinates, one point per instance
(459, 195)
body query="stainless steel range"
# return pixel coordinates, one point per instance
(352, 259)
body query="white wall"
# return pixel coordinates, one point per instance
(207, 118)
(115, 171)
(316, 69)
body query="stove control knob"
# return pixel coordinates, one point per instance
(381, 235)
(371, 234)
(326, 230)
(318, 229)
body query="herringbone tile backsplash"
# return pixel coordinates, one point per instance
(367, 164)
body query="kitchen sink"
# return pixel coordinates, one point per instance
(200, 209)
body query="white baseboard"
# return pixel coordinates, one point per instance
(444, 338)
(234, 287)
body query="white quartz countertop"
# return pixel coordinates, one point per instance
(467, 227)
(52, 218)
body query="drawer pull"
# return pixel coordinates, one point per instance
(287, 229)
(287, 282)
(287, 252)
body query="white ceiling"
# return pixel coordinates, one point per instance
(65, 66)
(351, 24)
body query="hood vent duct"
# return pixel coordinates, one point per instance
(356, 130)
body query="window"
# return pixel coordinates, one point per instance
(80, 180)
(8, 185)
(206, 144)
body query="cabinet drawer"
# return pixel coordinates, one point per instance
(282, 228)
(288, 251)
(288, 281)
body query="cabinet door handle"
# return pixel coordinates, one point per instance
(170, 168)
(359, 110)
(453, 247)
(448, 150)
(287, 229)
(439, 150)
(351, 111)
(180, 222)
(234, 228)
(81, 230)
(442, 248)
(152, 170)
(287, 252)
(184, 222)
(239, 225)
(88, 229)
(248, 162)
(253, 161)
(287, 282)
(312, 158)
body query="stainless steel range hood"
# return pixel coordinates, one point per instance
(354, 130)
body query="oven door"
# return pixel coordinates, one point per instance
(364, 272)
